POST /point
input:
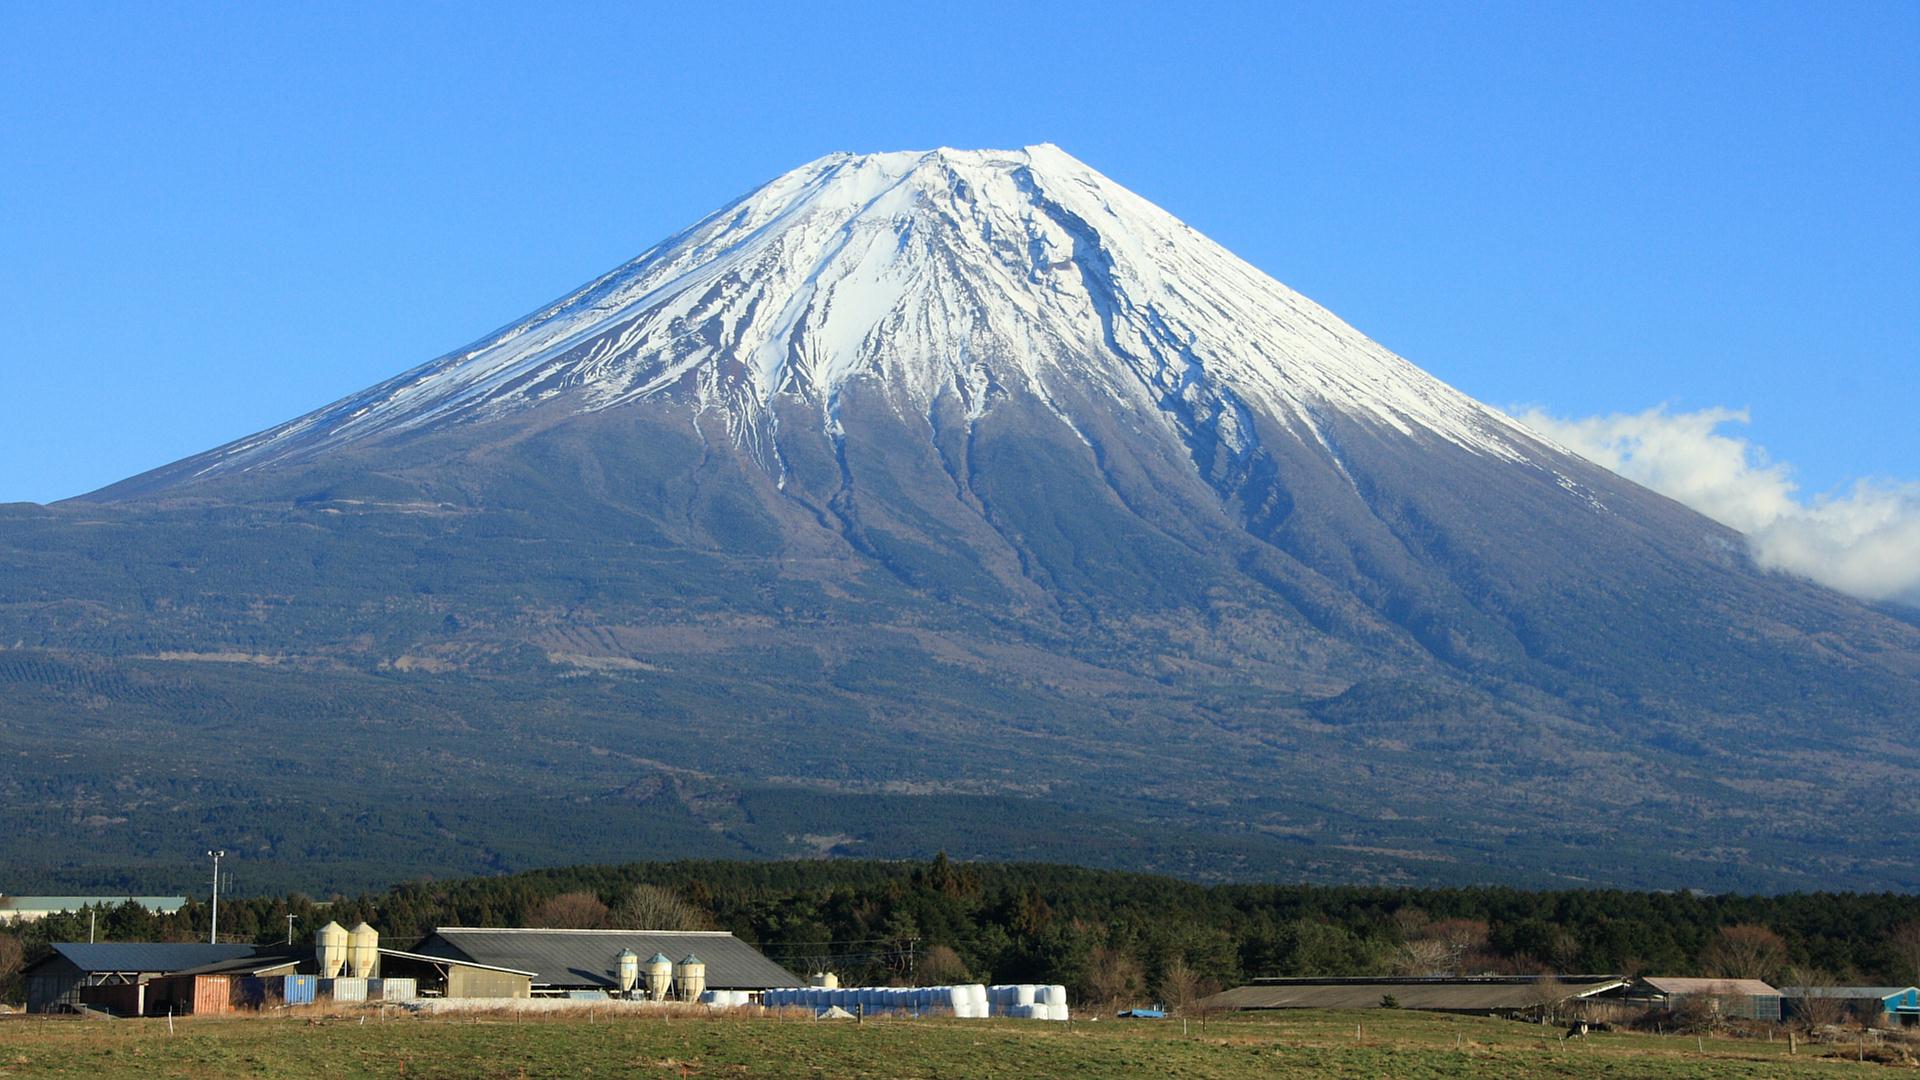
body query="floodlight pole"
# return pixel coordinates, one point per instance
(213, 935)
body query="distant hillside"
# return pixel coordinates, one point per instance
(938, 921)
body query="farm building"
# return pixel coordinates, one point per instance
(1881, 1004)
(17, 909)
(54, 982)
(1480, 995)
(1743, 999)
(442, 976)
(564, 961)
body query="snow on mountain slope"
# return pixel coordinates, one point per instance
(970, 273)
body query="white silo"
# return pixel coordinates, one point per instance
(627, 963)
(659, 976)
(330, 949)
(690, 975)
(363, 951)
(825, 978)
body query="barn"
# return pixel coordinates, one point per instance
(1741, 999)
(54, 981)
(1478, 995)
(577, 961)
(1878, 1004)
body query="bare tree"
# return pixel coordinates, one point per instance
(1563, 950)
(1906, 951)
(1179, 984)
(940, 965)
(1463, 938)
(1814, 1010)
(11, 956)
(1422, 956)
(570, 911)
(655, 907)
(1746, 951)
(1700, 1014)
(1113, 975)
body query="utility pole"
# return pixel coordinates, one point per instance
(290, 919)
(213, 935)
(91, 913)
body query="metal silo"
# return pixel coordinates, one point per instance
(330, 949)
(659, 976)
(363, 951)
(627, 963)
(691, 975)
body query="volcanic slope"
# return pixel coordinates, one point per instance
(957, 500)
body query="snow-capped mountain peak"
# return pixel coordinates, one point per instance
(962, 273)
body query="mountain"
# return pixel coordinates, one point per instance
(918, 501)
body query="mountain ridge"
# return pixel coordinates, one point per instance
(912, 482)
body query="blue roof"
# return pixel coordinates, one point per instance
(156, 956)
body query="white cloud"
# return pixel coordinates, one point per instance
(1864, 540)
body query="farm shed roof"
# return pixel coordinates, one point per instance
(1440, 994)
(259, 964)
(585, 958)
(11, 904)
(1844, 991)
(1711, 987)
(153, 956)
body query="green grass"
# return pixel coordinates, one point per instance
(1410, 1045)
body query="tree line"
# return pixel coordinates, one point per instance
(1106, 935)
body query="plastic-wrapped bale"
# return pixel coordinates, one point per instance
(1058, 1011)
(979, 993)
(1023, 994)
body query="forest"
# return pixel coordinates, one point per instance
(1107, 935)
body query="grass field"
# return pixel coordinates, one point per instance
(1388, 1044)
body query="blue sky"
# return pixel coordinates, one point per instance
(216, 217)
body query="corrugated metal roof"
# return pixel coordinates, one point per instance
(1484, 994)
(1844, 991)
(259, 964)
(157, 956)
(1712, 987)
(75, 903)
(404, 955)
(585, 958)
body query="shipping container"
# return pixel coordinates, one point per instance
(190, 995)
(344, 990)
(297, 989)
